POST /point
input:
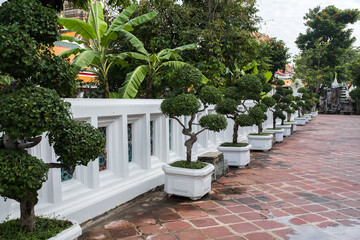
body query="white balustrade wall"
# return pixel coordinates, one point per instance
(92, 192)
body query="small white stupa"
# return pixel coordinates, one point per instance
(335, 83)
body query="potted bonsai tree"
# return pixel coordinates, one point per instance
(277, 110)
(301, 120)
(313, 103)
(233, 106)
(257, 115)
(30, 108)
(188, 96)
(284, 107)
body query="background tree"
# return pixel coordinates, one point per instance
(30, 108)
(224, 38)
(99, 37)
(326, 39)
(279, 55)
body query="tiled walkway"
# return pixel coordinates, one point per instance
(307, 187)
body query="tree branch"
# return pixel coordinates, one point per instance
(202, 130)
(61, 165)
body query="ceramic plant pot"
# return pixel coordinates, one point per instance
(293, 125)
(287, 129)
(308, 117)
(191, 183)
(71, 233)
(278, 133)
(300, 121)
(236, 156)
(261, 142)
(314, 114)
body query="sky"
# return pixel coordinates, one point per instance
(283, 19)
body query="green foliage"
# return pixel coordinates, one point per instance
(100, 36)
(25, 47)
(21, 175)
(213, 122)
(209, 95)
(189, 165)
(224, 37)
(45, 228)
(329, 24)
(279, 55)
(227, 106)
(30, 111)
(245, 120)
(56, 73)
(269, 101)
(186, 77)
(258, 113)
(77, 143)
(19, 54)
(302, 90)
(180, 105)
(355, 99)
(26, 15)
(230, 144)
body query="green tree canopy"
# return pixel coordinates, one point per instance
(329, 24)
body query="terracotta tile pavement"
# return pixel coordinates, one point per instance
(312, 178)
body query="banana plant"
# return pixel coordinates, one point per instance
(97, 36)
(154, 63)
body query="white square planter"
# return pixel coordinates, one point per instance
(287, 129)
(278, 133)
(300, 121)
(293, 124)
(192, 183)
(236, 156)
(71, 233)
(308, 117)
(5, 207)
(260, 142)
(314, 114)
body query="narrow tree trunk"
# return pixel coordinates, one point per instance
(107, 88)
(235, 133)
(288, 117)
(189, 144)
(260, 129)
(318, 86)
(274, 122)
(27, 215)
(282, 121)
(149, 84)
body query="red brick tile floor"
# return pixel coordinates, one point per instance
(308, 183)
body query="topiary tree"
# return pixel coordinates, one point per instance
(188, 96)
(284, 103)
(30, 108)
(257, 114)
(232, 105)
(304, 102)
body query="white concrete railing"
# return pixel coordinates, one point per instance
(92, 192)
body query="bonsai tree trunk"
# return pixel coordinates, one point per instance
(189, 144)
(282, 121)
(274, 121)
(27, 214)
(260, 128)
(288, 117)
(235, 133)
